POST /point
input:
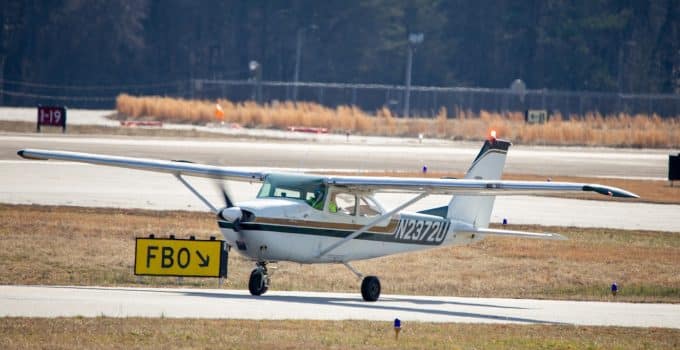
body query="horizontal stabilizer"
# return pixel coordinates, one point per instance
(521, 234)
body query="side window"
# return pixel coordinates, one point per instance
(366, 208)
(286, 193)
(342, 203)
(265, 191)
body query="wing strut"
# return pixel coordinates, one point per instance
(193, 190)
(372, 223)
(354, 271)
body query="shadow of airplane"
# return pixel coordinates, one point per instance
(337, 301)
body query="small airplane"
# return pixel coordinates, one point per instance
(307, 218)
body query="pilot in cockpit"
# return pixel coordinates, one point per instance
(316, 200)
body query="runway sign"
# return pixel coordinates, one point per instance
(180, 257)
(536, 116)
(52, 116)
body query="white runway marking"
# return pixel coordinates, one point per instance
(57, 301)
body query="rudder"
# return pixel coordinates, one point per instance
(488, 165)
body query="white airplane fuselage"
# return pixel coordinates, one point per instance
(290, 230)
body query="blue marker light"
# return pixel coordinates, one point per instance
(397, 328)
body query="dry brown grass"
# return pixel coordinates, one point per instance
(88, 333)
(620, 130)
(79, 246)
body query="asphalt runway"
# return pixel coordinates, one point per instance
(58, 301)
(406, 155)
(63, 183)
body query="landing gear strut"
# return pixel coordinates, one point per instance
(370, 285)
(259, 279)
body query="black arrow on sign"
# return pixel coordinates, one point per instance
(204, 261)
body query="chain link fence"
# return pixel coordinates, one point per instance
(424, 101)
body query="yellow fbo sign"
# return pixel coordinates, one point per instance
(180, 257)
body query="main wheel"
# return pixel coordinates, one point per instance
(258, 282)
(370, 288)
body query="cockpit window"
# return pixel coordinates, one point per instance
(367, 207)
(311, 189)
(342, 203)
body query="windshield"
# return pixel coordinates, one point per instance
(311, 189)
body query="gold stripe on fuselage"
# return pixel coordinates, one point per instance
(327, 225)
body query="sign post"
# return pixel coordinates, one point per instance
(52, 116)
(180, 257)
(673, 168)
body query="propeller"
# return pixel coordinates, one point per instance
(231, 212)
(225, 193)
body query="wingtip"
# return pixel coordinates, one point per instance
(28, 154)
(610, 191)
(625, 194)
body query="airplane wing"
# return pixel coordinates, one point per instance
(470, 186)
(163, 166)
(358, 183)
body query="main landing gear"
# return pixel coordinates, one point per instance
(370, 288)
(259, 279)
(370, 285)
(259, 282)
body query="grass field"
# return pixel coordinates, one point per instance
(593, 129)
(82, 246)
(88, 333)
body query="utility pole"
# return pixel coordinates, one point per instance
(256, 73)
(413, 40)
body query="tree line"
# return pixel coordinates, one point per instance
(596, 45)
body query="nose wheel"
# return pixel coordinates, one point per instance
(259, 279)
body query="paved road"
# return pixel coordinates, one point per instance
(74, 116)
(442, 156)
(56, 301)
(62, 183)
(23, 181)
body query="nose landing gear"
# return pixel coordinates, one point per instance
(259, 279)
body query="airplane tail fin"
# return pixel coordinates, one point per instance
(488, 165)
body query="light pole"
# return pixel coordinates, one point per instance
(256, 71)
(413, 40)
(298, 57)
